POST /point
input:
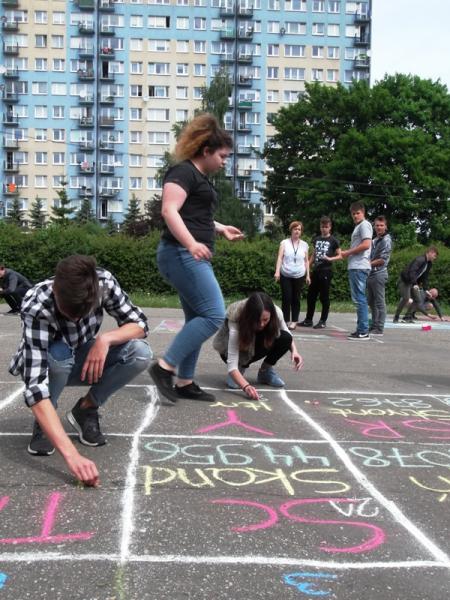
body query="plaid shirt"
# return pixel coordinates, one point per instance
(42, 324)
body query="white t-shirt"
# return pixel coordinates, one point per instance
(294, 254)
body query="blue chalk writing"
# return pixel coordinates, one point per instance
(308, 587)
(3, 579)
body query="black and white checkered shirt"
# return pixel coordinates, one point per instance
(43, 324)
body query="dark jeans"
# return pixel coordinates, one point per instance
(319, 287)
(291, 289)
(272, 354)
(14, 299)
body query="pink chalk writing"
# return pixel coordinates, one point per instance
(380, 429)
(48, 521)
(233, 419)
(271, 519)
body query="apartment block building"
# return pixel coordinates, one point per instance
(91, 89)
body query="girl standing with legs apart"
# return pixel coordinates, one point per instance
(292, 270)
(185, 250)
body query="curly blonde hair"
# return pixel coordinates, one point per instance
(202, 132)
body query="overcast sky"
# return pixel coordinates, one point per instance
(411, 36)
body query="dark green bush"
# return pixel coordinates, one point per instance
(240, 267)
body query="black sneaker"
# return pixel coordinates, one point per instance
(85, 422)
(39, 445)
(163, 379)
(407, 319)
(395, 320)
(358, 336)
(305, 323)
(13, 311)
(194, 392)
(378, 332)
(320, 325)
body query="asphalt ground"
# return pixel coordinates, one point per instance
(337, 486)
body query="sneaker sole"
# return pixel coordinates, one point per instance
(77, 428)
(36, 453)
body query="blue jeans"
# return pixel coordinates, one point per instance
(201, 300)
(122, 364)
(358, 281)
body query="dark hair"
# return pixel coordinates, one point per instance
(202, 132)
(76, 285)
(325, 221)
(251, 316)
(381, 218)
(433, 249)
(357, 206)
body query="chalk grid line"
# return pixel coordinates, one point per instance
(441, 559)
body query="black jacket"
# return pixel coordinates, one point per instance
(417, 271)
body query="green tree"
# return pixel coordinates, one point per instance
(85, 214)
(110, 225)
(15, 213)
(215, 96)
(133, 222)
(37, 214)
(152, 213)
(388, 146)
(63, 212)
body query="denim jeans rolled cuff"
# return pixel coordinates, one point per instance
(122, 364)
(358, 282)
(202, 302)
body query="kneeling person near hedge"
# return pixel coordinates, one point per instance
(254, 328)
(61, 345)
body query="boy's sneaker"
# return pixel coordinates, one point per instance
(85, 422)
(305, 323)
(358, 336)
(378, 332)
(231, 382)
(192, 391)
(39, 445)
(320, 325)
(269, 377)
(163, 379)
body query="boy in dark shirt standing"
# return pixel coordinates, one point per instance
(325, 250)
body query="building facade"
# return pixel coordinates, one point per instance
(92, 88)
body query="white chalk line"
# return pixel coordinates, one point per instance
(130, 481)
(12, 397)
(390, 506)
(264, 561)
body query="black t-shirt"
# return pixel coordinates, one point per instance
(200, 205)
(324, 246)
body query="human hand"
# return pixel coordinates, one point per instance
(277, 276)
(308, 280)
(345, 253)
(250, 392)
(95, 361)
(83, 469)
(199, 251)
(297, 361)
(231, 233)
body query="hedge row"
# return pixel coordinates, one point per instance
(240, 267)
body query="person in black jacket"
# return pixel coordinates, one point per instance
(13, 287)
(412, 277)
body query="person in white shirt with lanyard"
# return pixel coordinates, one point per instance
(292, 270)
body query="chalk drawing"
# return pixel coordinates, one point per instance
(46, 536)
(443, 493)
(260, 405)
(233, 420)
(3, 578)
(170, 326)
(297, 580)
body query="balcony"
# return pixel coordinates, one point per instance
(361, 18)
(86, 4)
(108, 192)
(86, 122)
(106, 169)
(227, 58)
(10, 143)
(244, 196)
(245, 33)
(86, 145)
(10, 166)
(361, 40)
(106, 6)
(108, 77)
(227, 34)
(108, 100)
(10, 189)
(243, 150)
(226, 11)
(86, 28)
(85, 192)
(245, 80)
(86, 168)
(86, 74)
(10, 97)
(107, 52)
(107, 146)
(11, 73)
(87, 100)
(10, 120)
(245, 58)
(106, 122)
(245, 105)
(10, 3)
(244, 173)
(245, 11)
(107, 30)
(362, 63)
(10, 26)
(86, 52)
(10, 49)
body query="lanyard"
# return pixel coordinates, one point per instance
(295, 251)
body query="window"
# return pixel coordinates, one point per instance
(158, 137)
(59, 158)
(348, 76)
(135, 114)
(136, 44)
(273, 4)
(181, 115)
(199, 23)
(332, 75)
(197, 93)
(158, 45)
(272, 72)
(59, 89)
(318, 6)
(295, 28)
(158, 91)
(318, 28)
(181, 93)
(333, 30)
(290, 96)
(317, 74)
(182, 22)
(273, 27)
(199, 47)
(40, 181)
(333, 6)
(350, 53)
(158, 22)
(294, 73)
(40, 158)
(199, 70)
(182, 46)
(153, 183)
(299, 5)
(40, 41)
(294, 50)
(182, 69)
(135, 160)
(333, 52)
(59, 64)
(136, 21)
(273, 50)
(272, 96)
(317, 51)
(40, 64)
(59, 18)
(135, 183)
(59, 135)
(136, 68)
(39, 88)
(57, 41)
(40, 17)
(159, 68)
(135, 137)
(158, 114)
(40, 135)
(136, 91)
(58, 112)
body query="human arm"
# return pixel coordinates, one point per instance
(307, 275)
(82, 468)
(279, 262)
(362, 247)
(173, 198)
(233, 362)
(296, 359)
(11, 282)
(229, 232)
